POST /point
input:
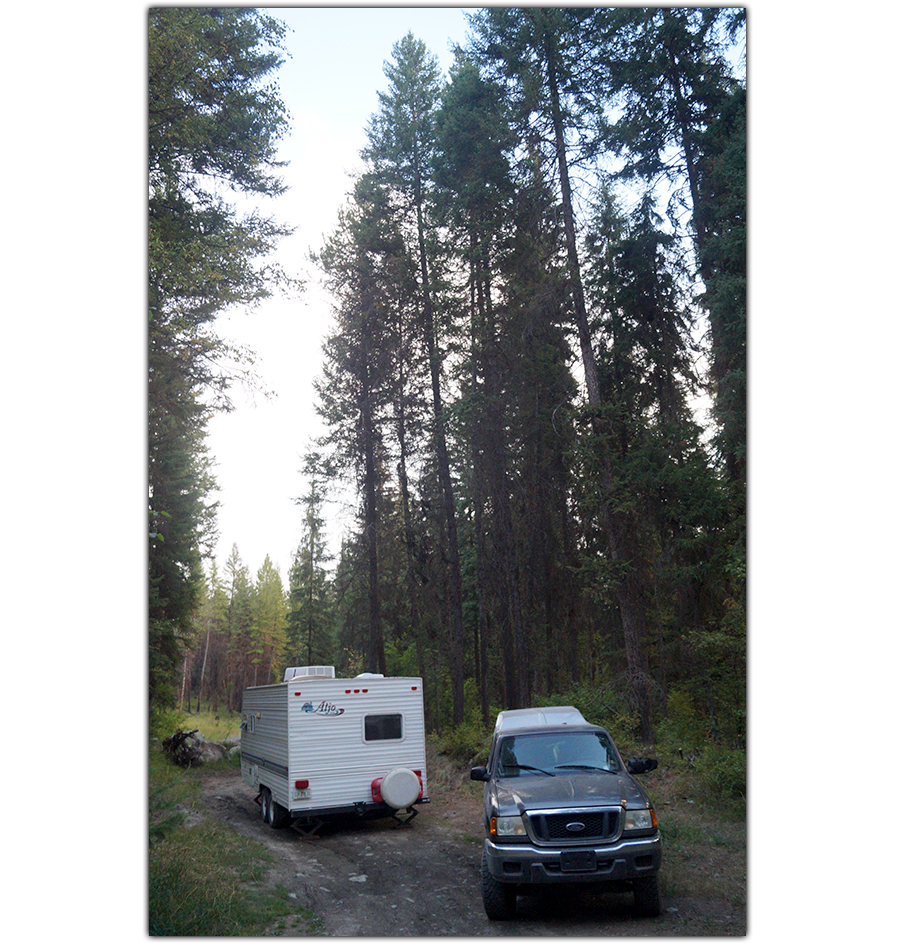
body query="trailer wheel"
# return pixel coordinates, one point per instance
(265, 802)
(273, 813)
(279, 817)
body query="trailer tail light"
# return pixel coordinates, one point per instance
(301, 784)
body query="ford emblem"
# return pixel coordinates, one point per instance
(575, 827)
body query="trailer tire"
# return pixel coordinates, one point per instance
(273, 813)
(279, 817)
(265, 802)
(400, 788)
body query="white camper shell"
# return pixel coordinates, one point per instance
(538, 717)
(317, 746)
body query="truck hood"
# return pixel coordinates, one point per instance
(568, 791)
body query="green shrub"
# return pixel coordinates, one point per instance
(682, 727)
(470, 741)
(164, 721)
(724, 771)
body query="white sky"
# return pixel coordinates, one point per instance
(330, 87)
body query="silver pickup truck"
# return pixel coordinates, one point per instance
(561, 807)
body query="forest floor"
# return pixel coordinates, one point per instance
(375, 878)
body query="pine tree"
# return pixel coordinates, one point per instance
(214, 121)
(536, 49)
(401, 153)
(309, 621)
(357, 386)
(269, 614)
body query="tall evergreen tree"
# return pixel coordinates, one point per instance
(401, 153)
(309, 621)
(240, 630)
(682, 116)
(472, 172)
(536, 49)
(269, 614)
(214, 121)
(355, 390)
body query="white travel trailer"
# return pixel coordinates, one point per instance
(317, 746)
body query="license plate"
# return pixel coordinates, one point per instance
(301, 794)
(578, 861)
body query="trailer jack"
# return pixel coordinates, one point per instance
(411, 814)
(307, 827)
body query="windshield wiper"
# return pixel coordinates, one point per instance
(532, 769)
(586, 766)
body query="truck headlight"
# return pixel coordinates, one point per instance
(637, 820)
(507, 825)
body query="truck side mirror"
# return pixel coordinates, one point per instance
(638, 766)
(480, 773)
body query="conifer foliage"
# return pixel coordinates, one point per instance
(537, 278)
(533, 230)
(214, 121)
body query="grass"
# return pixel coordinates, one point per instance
(704, 840)
(205, 880)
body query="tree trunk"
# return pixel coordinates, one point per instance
(375, 659)
(203, 668)
(628, 593)
(481, 627)
(457, 667)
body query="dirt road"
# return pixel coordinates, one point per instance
(370, 879)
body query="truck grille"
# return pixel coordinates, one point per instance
(563, 826)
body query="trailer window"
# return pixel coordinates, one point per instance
(384, 727)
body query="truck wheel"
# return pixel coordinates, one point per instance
(499, 898)
(646, 896)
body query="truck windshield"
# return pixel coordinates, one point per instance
(553, 753)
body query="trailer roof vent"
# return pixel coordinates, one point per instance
(291, 674)
(369, 674)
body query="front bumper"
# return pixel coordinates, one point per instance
(531, 864)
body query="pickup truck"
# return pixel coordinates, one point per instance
(561, 807)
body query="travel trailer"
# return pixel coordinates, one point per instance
(317, 746)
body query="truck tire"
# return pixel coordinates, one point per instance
(499, 898)
(646, 896)
(400, 788)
